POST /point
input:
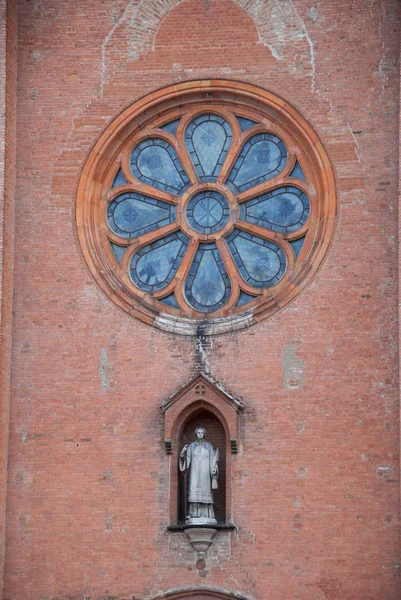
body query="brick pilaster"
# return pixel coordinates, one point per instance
(8, 67)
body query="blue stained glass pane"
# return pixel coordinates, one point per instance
(245, 123)
(208, 139)
(131, 214)
(207, 287)
(154, 266)
(262, 157)
(297, 245)
(170, 301)
(284, 209)
(155, 162)
(207, 212)
(298, 172)
(119, 179)
(118, 251)
(244, 298)
(171, 127)
(261, 263)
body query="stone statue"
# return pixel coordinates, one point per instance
(201, 458)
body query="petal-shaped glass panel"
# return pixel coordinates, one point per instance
(154, 161)
(261, 263)
(208, 139)
(131, 214)
(154, 265)
(207, 287)
(284, 209)
(262, 157)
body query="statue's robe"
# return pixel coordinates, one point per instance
(201, 458)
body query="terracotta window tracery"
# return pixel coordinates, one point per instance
(210, 206)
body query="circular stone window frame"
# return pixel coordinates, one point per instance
(164, 105)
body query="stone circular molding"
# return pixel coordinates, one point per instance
(206, 206)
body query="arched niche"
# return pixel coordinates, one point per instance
(199, 595)
(201, 402)
(216, 435)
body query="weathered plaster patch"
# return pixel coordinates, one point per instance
(302, 472)
(293, 368)
(104, 369)
(299, 426)
(311, 47)
(22, 432)
(202, 345)
(107, 475)
(108, 524)
(385, 472)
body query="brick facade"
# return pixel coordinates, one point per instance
(8, 63)
(315, 484)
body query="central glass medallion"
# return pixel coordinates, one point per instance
(207, 212)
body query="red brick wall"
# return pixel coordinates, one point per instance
(315, 485)
(7, 189)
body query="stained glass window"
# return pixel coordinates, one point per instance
(212, 208)
(202, 208)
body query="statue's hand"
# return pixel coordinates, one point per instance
(184, 450)
(214, 471)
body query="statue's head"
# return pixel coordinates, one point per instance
(200, 433)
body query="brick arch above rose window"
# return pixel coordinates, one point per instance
(135, 32)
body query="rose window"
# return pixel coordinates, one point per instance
(206, 209)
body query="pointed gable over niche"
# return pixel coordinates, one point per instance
(201, 393)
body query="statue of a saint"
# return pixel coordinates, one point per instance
(201, 458)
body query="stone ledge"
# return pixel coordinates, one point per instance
(217, 526)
